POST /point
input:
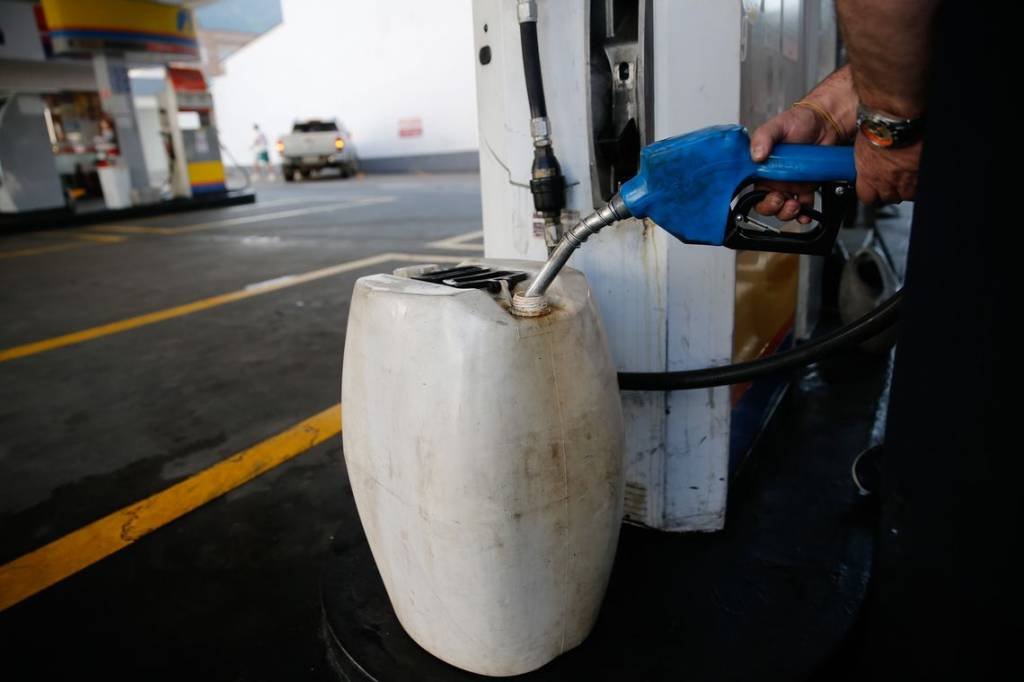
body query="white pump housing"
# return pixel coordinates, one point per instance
(670, 67)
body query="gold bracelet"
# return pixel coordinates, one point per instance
(824, 115)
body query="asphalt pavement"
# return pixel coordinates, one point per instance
(137, 355)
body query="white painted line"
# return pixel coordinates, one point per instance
(269, 283)
(291, 280)
(290, 213)
(240, 220)
(286, 201)
(425, 258)
(457, 243)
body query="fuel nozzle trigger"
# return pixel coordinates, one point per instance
(743, 231)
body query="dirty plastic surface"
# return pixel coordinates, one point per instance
(485, 455)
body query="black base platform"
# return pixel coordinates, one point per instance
(64, 217)
(770, 597)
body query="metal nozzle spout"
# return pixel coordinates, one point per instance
(612, 212)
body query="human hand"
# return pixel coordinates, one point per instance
(886, 176)
(827, 115)
(798, 125)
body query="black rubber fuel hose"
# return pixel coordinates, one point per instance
(852, 334)
(531, 66)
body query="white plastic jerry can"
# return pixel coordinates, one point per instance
(485, 454)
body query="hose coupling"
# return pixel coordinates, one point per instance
(540, 131)
(527, 11)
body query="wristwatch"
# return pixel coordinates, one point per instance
(886, 131)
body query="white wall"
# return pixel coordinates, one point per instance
(366, 63)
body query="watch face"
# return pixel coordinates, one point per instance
(877, 133)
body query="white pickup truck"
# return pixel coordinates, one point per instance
(314, 145)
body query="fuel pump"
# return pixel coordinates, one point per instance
(194, 145)
(622, 76)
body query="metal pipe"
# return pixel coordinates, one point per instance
(614, 211)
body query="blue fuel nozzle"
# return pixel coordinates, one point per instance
(686, 185)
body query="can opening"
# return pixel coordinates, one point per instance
(529, 306)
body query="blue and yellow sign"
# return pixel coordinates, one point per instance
(206, 176)
(120, 26)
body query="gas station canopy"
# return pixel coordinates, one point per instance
(159, 31)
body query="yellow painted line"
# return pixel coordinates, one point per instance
(37, 250)
(256, 289)
(48, 565)
(73, 241)
(98, 238)
(133, 229)
(178, 311)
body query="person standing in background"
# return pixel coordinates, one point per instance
(262, 152)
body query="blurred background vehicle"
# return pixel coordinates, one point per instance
(314, 145)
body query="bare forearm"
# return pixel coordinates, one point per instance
(889, 45)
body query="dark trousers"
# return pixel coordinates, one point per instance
(941, 584)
